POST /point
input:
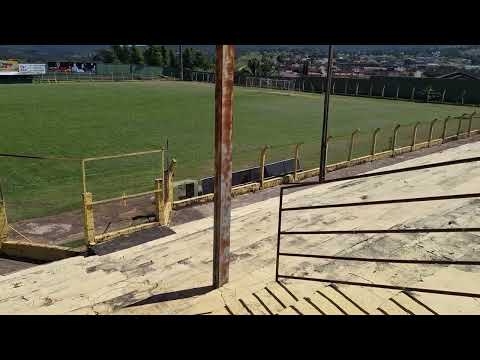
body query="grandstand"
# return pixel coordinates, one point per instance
(172, 275)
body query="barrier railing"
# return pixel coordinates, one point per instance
(3, 219)
(282, 209)
(355, 148)
(162, 191)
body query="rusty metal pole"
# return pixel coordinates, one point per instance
(323, 149)
(224, 69)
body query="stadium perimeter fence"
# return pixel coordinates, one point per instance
(433, 90)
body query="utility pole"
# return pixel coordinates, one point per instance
(224, 70)
(323, 149)
(181, 61)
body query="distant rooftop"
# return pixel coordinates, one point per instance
(458, 75)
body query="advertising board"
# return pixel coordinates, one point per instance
(12, 67)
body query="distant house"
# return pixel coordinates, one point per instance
(458, 76)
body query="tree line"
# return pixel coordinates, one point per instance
(154, 55)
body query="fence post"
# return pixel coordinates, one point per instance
(263, 156)
(470, 124)
(297, 151)
(460, 119)
(88, 220)
(374, 143)
(444, 132)
(3, 222)
(430, 134)
(326, 149)
(414, 135)
(412, 97)
(158, 187)
(383, 91)
(352, 141)
(167, 205)
(394, 140)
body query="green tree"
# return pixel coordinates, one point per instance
(200, 61)
(164, 55)
(187, 58)
(121, 53)
(106, 55)
(135, 55)
(172, 59)
(254, 66)
(281, 58)
(267, 66)
(152, 56)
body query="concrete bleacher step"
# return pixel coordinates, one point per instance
(277, 298)
(407, 304)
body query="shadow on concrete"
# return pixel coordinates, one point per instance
(175, 295)
(130, 240)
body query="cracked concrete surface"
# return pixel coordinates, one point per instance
(182, 261)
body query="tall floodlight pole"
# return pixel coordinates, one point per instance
(224, 70)
(181, 61)
(323, 149)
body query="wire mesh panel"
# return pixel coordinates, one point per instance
(124, 175)
(384, 140)
(362, 145)
(451, 128)
(247, 157)
(404, 136)
(43, 199)
(423, 130)
(310, 154)
(38, 188)
(338, 148)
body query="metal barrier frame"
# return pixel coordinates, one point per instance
(376, 231)
(88, 203)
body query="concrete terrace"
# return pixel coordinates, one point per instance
(172, 275)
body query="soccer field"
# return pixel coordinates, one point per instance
(94, 119)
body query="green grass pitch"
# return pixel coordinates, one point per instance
(95, 119)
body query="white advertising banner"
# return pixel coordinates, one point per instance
(31, 69)
(12, 67)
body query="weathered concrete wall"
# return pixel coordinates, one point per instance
(36, 252)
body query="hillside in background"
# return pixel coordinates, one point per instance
(85, 52)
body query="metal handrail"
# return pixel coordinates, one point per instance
(385, 172)
(377, 231)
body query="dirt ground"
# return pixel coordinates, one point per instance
(68, 227)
